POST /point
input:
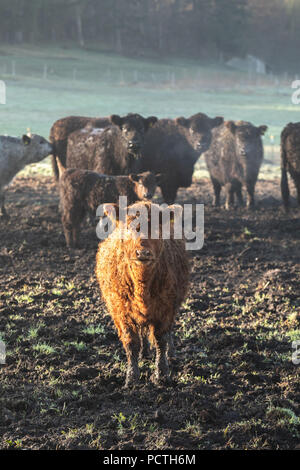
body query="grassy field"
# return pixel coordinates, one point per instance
(44, 84)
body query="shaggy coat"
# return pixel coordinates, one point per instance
(143, 282)
(82, 191)
(116, 150)
(61, 130)
(15, 154)
(234, 159)
(290, 161)
(172, 148)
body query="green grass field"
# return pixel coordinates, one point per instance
(44, 84)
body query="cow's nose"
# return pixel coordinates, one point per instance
(143, 254)
(134, 144)
(202, 144)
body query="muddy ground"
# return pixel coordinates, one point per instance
(234, 384)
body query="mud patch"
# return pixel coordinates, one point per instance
(233, 381)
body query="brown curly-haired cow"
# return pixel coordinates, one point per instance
(290, 161)
(82, 191)
(143, 282)
(62, 128)
(115, 150)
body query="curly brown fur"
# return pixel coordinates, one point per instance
(143, 282)
(117, 150)
(61, 130)
(82, 191)
(290, 161)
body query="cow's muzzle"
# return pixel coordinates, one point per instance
(202, 145)
(134, 145)
(144, 256)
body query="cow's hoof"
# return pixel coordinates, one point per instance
(132, 378)
(130, 384)
(163, 380)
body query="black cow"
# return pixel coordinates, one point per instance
(290, 161)
(115, 150)
(172, 148)
(234, 159)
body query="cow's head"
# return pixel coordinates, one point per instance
(140, 235)
(36, 148)
(199, 127)
(247, 138)
(133, 128)
(145, 184)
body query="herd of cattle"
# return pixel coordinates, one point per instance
(96, 160)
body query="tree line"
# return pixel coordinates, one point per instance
(206, 29)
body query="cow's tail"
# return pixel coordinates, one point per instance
(55, 167)
(285, 192)
(54, 153)
(61, 169)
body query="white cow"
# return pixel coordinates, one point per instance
(15, 154)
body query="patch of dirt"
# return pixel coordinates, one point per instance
(234, 384)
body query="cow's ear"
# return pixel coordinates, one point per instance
(150, 121)
(217, 121)
(26, 139)
(111, 211)
(262, 129)
(116, 120)
(134, 177)
(231, 126)
(182, 121)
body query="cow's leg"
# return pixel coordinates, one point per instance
(169, 192)
(217, 192)
(171, 348)
(250, 185)
(239, 195)
(75, 234)
(161, 372)
(71, 233)
(229, 196)
(132, 345)
(297, 184)
(145, 349)
(4, 214)
(71, 220)
(68, 236)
